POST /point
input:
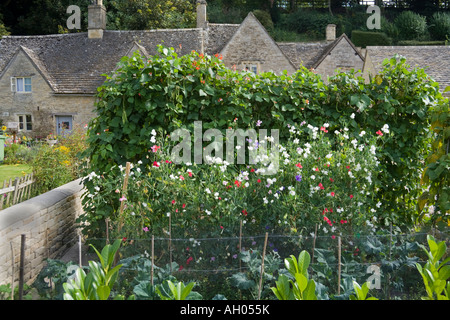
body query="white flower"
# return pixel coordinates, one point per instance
(292, 193)
(208, 191)
(208, 212)
(265, 200)
(313, 177)
(352, 116)
(153, 132)
(362, 133)
(385, 128)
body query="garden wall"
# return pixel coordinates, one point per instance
(48, 222)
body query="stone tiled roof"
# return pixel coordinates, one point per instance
(73, 63)
(431, 58)
(304, 53)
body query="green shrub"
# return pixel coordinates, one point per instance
(311, 22)
(411, 26)
(439, 26)
(420, 43)
(51, 167)
(366, 38)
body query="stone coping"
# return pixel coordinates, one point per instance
(22, 210)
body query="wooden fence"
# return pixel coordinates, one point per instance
(15, 191)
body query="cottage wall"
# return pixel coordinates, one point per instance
(252, 44)
(42, 104)
(343, 57)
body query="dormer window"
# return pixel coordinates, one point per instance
(21, 84)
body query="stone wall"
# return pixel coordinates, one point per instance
(48, 223)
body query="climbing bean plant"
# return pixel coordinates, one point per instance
(168, 91)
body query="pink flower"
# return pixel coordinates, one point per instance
(122, 199)
(321, 186)
(155, 148)
(181, 178)
(332, 194)
(173, 201)
(333, 237)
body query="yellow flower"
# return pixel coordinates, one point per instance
(4, 128)
(63, 149)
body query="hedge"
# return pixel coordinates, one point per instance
(367, 38)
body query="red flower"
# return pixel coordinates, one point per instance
(379, 133)
(252, 170)
(332, 194)
(184, 205)
(237, 183)
(155, 164)
(317, 169)
(173, 201)
(190, 174)
(351, 196)
(299, 165)
(244, 212)
(259, 180)
(321, 186)
(331, 180)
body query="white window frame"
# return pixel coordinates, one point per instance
(252, 66)
(24, 122)
(15, 86)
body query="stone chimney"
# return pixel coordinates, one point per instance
(201, 14)
(96, 19)
(331, 32)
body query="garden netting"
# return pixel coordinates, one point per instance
(221, 270)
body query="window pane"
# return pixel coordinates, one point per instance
(19, 84)
(27, 84)
(29, 125)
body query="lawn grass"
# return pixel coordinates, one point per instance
(12, 171)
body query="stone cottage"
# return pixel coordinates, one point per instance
(48, 83)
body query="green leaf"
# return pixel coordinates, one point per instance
(103, 292)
